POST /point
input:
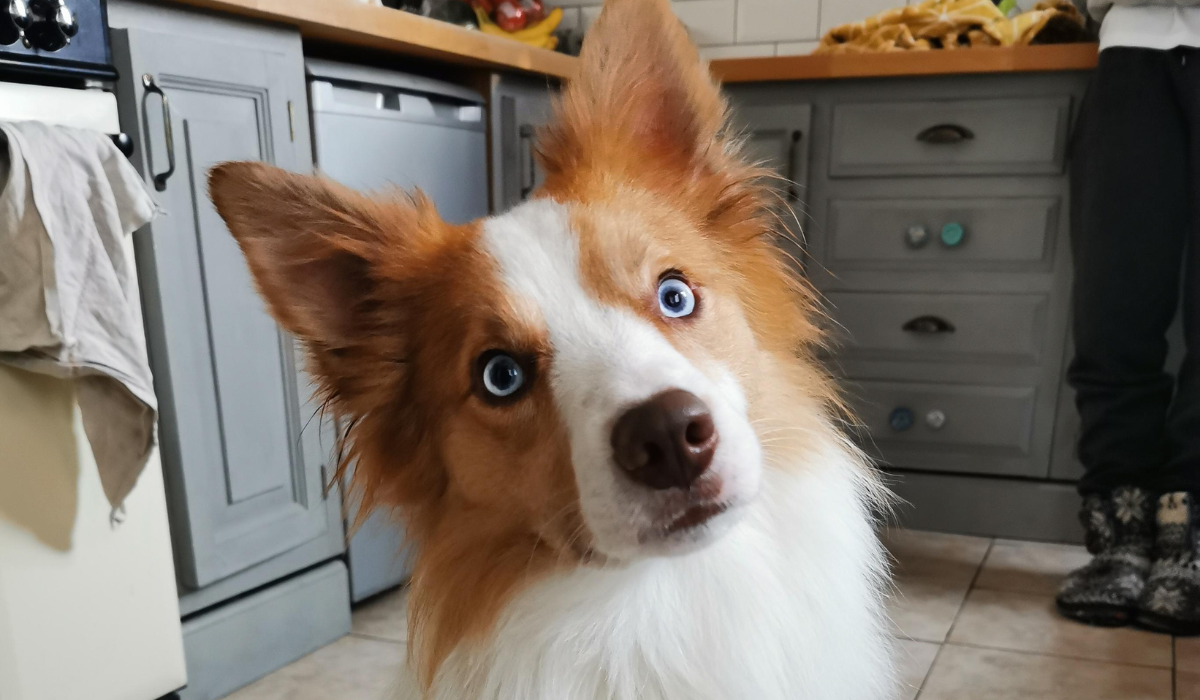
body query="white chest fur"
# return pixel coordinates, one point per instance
(787, 606)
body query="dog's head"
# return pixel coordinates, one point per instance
(584, 377)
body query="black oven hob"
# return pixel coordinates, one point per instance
(54, 41)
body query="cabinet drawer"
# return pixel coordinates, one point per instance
(1010, 234)
(983, 328)
(898, 417)
(954, 137)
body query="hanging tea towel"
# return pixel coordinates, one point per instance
(68, 298)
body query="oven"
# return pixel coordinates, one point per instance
(88, 603)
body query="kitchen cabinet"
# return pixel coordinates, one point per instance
(519, 105)
(935, 216)
(245, 452)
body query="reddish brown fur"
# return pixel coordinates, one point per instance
(393, 306)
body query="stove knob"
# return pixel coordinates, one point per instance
(14, 19)
(53, 26)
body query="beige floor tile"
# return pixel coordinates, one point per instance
(1187, 653)
(1187, 669)
(384, 616)
(913, 660)
(1187, 685)
(1024, 622)
(351, 668)
(1029, 567)
(968, 673)
(932, 574)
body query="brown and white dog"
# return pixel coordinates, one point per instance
(598, 412)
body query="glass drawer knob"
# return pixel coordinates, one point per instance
(935, 419)
(953, 234)
(901, 419)
(916, 236)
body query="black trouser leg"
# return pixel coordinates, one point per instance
(1131, 217)
(1182, 471)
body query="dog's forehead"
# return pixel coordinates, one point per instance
(538, 256)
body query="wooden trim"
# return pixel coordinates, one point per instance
(1060, 57)
(352, 23)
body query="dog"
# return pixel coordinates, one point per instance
(599, 413)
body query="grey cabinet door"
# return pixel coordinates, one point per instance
(518, 107)
(241, 451)
(779, 137)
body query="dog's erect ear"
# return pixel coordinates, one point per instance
(310, 244)
(642, 92)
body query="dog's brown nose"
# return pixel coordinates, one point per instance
(666, 442)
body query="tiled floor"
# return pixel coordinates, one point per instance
(974, 618)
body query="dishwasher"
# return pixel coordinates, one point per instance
(373, 128)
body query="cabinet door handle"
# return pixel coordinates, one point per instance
(929, 325)
(526, 134)
(793, 152)
(160, 180)
(945, 134)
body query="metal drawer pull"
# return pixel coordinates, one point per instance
(935, 419)
(160, 180)
(793, 151)
(526, 134)
(945, 134)
(929, 325)
(916, 236)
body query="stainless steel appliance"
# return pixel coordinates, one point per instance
(373, 128)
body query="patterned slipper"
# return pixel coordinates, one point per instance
(1120, 535)
(1171, 601)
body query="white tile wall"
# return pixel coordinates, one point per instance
(741, 28)
(778, 20)
(710, 22)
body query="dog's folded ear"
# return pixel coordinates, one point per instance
(642, 98)
(332, 265)
(316, 250)
(307, 241)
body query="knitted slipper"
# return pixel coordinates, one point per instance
(1171, 601)
(1119, 528)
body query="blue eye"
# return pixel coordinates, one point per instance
(675, 298)
(502, 376)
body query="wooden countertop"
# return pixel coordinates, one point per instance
(356, 24)
(1016, 59)
(352, 23)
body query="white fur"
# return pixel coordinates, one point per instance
(779, 600)
(786, 606)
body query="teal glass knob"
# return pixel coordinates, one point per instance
(953, 234)
(916, 236)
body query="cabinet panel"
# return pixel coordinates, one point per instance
(912, 234)
(519, 106)
(243, 473)
(946, 427)
(952, 327)
(963, 137)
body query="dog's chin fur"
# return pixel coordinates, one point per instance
(783, 605)
(544, 571)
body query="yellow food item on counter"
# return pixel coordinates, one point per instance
(946, 24)
(540, 34)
